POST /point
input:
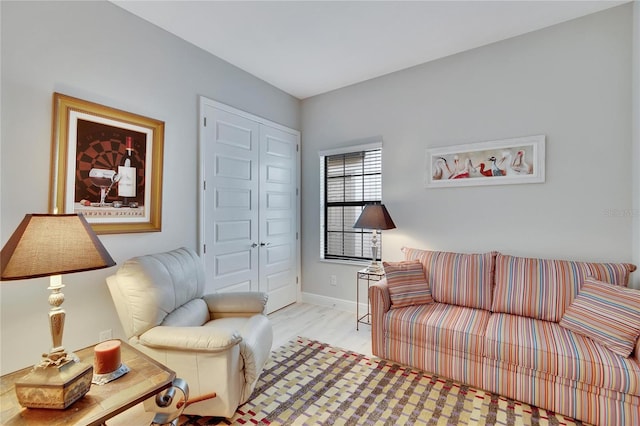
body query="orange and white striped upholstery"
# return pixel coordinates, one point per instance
(450, 328)
(457, 278)
(543, 288)
(588, 403)
(407, 283)
(548, 348)
(608, 314)
(519, 350)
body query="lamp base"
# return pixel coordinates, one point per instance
(54, 387)
(374, 268)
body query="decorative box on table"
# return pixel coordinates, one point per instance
(54, 387)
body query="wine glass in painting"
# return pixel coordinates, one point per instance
(103, 179)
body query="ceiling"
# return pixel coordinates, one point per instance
(310, 47)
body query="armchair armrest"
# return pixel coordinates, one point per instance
(205, 339)
(380, 301)
(236, 304)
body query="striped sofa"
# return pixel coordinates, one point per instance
(535, 330)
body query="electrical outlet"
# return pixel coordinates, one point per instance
(333, 280)
(105, 335)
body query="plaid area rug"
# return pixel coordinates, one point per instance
(310, 383)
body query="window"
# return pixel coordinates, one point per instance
(350, 180)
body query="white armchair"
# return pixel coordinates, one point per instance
(216, 342)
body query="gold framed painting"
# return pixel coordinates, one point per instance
(107, 165)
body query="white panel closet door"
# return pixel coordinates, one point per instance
(278, 216)
(231, 201)
(250, 204)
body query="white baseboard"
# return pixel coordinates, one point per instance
(332, 302)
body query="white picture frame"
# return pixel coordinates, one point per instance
(508, 161)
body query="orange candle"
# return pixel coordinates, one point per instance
(107, 357)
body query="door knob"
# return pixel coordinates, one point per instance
(254, 245)
(264, 244)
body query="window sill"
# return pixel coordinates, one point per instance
(359, 263)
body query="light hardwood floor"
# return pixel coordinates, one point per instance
(328, 325)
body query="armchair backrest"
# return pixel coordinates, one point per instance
(147, 289)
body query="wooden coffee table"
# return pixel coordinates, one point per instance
(145, 379)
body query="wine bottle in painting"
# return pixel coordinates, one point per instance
(127, 171)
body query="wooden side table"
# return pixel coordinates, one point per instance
(365, 276)
(145, 379)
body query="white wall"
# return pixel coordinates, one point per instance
(635, 122)
(101, 53)
(571, 82)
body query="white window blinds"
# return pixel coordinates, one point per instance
(351, 180)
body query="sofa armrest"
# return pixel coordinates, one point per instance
(244, 304)
(379, 296)
(380, 301)
(204, 339)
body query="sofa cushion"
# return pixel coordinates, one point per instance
(457, 278)
(608, 314)
(449, 328)
(407, 283)
(544, 288)
(547, 347)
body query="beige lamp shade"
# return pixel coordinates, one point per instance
(48, 244)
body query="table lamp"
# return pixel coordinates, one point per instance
(49, 245)
(375, 217)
